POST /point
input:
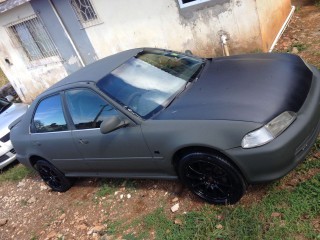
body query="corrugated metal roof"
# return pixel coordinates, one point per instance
(9, 4)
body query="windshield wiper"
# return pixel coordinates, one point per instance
(190, 81)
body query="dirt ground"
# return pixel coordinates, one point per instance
(32, 211)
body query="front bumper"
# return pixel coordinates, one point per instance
(277, 158)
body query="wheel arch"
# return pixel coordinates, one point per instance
(190, 149)
(34, 159)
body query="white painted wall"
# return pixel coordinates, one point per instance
(144, 23)
(27, 81)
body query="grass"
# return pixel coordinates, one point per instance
(3, 78)
(281, 214)
(15, 174)
(301, 47)
(295, 210)
(110, 186)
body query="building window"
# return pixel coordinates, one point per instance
(85, 12)
(190, 3)
(30, 35)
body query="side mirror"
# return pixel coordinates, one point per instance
(112, 123)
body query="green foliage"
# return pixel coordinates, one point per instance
(301, 47)
(108, 187)
(15, 173)
(105, 189)
(113, 227)
(3, 78)
(282, 214)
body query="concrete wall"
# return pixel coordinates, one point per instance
(137, 23)
(272, 14)
(28, 81)
(75, 31)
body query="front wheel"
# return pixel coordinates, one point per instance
(212, 178)
(52, 176)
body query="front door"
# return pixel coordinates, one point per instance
(122, 151)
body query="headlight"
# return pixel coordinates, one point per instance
(269, 131)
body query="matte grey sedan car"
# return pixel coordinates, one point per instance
(217, 124)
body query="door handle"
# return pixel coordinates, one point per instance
(83, 141)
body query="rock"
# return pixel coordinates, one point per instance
(275, 214)
(43, 187)
(31, 200)
(105, 237)
(81, 227)
(3, 222)
(60, 236)
(98, 229)
(129, 196)
(51, 235)
(21, 184)
(175, 207)
(178, 222)
(175, 199)
(220, 217)
(219, 226)
(63, 216)
(295, 50)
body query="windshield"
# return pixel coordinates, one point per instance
(3, 104)
(149, 81)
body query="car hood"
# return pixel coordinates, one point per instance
(254, 88)
(15, 111)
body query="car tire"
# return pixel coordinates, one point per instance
(52, 176)
(211, 177)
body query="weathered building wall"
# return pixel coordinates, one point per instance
(250, 25)
(28, 81)
(130, 24)
(272, 15)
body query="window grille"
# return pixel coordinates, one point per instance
(190, 3)
(85, 12)
(30, 35)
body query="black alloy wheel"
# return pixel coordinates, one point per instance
(212, 178)
(53, 177)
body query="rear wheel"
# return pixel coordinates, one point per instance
(52, 176)
(212, 178)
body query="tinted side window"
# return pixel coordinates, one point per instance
(87, 108)
(49, 116)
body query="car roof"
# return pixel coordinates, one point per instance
(97, 70)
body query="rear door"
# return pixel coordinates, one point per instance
(123, 151)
